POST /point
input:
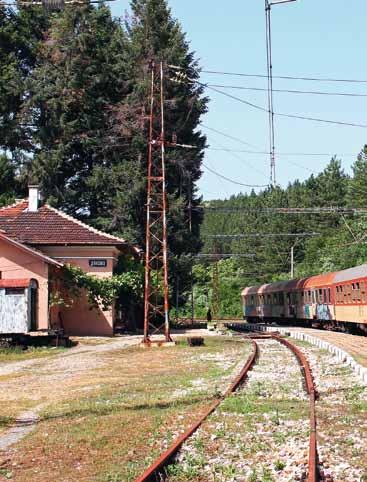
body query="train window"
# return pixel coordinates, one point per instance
(281, 298)
(329, 295)
(349, 293)
(320, 298)
(358, 293)
(363, 293)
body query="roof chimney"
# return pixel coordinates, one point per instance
(33, 198)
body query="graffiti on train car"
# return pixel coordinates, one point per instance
(323, 312)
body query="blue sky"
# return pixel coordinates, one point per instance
(311, 38)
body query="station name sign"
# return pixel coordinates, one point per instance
(98, 263)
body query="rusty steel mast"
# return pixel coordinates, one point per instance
(156, 305)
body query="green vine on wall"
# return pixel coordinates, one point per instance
(101, 292)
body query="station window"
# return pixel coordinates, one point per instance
(14, 291)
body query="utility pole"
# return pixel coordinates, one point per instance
(269, 61)
(156, 307)
(292, 262)
(215, 285)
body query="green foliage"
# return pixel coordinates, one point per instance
(339, 243)
(74, 92)
(101, 292)
(7, 181)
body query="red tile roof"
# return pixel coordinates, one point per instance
(15, 283)
(51, 226)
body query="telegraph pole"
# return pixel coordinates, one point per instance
(292, 262)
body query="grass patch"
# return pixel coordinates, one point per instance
(18, 354)
(251, 404)
(115, 430)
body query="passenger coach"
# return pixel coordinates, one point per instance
(333, 300)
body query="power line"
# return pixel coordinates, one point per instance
(257, 235)
(311, 154)
(288, 91)
(286, 77)
(232, 180)
(288, 210)
(236, 156)
(233, 138)
(291, 116)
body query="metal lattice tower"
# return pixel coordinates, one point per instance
(156, 307)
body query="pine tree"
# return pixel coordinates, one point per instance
(155, 35)
(21, 34)
(78, 78)
(357, 192)
(7, 181)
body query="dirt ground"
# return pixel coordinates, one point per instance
(102, 410)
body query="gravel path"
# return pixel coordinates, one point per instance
(258, 434)
(73, 357)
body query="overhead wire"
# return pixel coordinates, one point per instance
(311, 154)
(291, 116)
(269, 110)
(288, 91)
(233, 138)
(232, 180)
(286, 77)
(235, 156)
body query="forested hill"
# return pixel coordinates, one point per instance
(265, 255)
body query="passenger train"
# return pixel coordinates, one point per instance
(333, 301)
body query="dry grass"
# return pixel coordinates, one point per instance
(109, 423)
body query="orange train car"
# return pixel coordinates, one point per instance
(333, 300)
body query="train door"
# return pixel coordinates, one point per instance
(288, 305)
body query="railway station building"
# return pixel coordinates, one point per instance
(36, 241)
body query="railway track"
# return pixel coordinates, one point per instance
(158, 469)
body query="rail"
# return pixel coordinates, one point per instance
(152, 472)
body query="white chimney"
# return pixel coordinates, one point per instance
(33, 198)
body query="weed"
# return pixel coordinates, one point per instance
(279, 465)
(275, 419)
(354, 393)
(253, 476)
(266, 475)
(198, 444)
